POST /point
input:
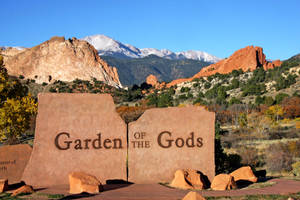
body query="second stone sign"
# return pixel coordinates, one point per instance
(164, 140)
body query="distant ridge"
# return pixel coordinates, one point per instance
(107, 46)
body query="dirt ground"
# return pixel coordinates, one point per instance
(160, 192)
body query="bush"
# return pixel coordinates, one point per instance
(269, 101)
(250, 156)
(296, 168)
(259, 100)
(185, 89)
(207, 85)
(279, 97)
(234, 100)
(253, 89)
(278, 158)
(209, 78)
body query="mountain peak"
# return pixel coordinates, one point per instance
(109, 47)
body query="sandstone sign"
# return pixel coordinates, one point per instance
(13, 160)
(164, 140)
(77, 132)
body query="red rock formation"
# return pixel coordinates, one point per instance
(248, 58)
(244, 173)
(63, 60)
(152, 80)
(277, 63)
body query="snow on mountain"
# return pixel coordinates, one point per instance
(164, 53)
(107, 46)
(198, 55)
(110, 47)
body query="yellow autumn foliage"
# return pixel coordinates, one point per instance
(274, 112)
(16, 108)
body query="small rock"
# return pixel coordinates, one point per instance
(193, 196)
(245, 174)
(82, 182)
(223, 182)
(189, 179)
(3, 185)
(25, 189)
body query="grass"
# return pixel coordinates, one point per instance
(37, 195)
(259, 185)
(295, 178)
(258, 197)
(6, 196)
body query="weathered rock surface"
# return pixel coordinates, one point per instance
(189, 179)
(277, 63)
(223, 182)
(81, 132)
(245, 174)
(25, 189)
(248, 58)
(180, 138)
(3, 185)
(152, 80)
(193, 196)
(60, 59)
(82, 182)
(13, 160)
(10, 52)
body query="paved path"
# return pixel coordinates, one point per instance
(159, 192)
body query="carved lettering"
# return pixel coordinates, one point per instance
(165, 140)
(63, 141)
(66, 142)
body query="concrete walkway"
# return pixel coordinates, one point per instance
(156, 191)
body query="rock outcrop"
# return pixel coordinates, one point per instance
(82, 182)
(244, 174)
(189, 179)
(60, 59)
(3, 185)
(152, 80)
(223, 182)
(25, 189)
(248, 58)
(193, 196)
(10, 52)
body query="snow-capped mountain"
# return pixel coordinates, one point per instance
(110, 47)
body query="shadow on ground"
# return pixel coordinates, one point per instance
(110, 185)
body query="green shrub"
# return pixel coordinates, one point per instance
(195, 85)
(279, 97)
(210, 78)
(52, 89)
(269, 101)
(185, 89)
(234, 100)
(207, 85)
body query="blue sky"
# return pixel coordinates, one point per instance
(218, 27)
